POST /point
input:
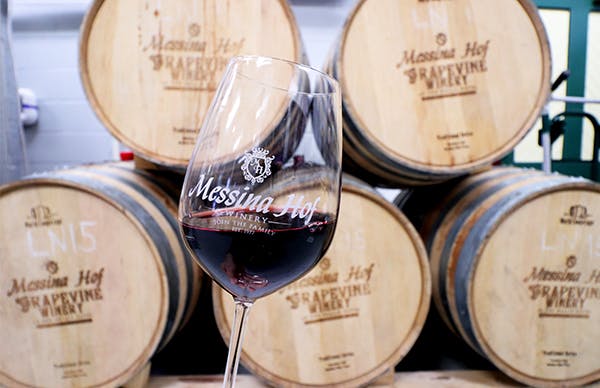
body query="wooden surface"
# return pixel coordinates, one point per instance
(92, 282)
(352, 317)
(155, 201)
(435, 89)
(517, 275)
(150, 68)
(435, 379)
(448, 224)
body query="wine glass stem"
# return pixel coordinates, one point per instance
(240, 318)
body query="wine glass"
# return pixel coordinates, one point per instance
(260, 198)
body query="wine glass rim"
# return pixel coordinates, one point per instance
(330, 80)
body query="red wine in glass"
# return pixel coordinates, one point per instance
(256, 261)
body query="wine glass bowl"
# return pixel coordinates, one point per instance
(248, 213)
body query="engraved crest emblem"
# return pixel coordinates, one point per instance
(256, 165)
(41, 215)
(578, 211)
(577, 215)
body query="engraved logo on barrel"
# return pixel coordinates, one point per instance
(57, 299)
(328, 294)
(190, 62)
(41, 215)
(563, 292)
(577, 215)
(445, 71)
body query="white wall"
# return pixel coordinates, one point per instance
(45, 38)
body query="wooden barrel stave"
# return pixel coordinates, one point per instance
(165, 188)
(465, 222)
(163, 209)
(149, 218)
(450, 200)
(359, 152)
(461, 219)
(447, 224)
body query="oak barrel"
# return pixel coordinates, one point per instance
(150, 68)
(95, 276)
(351, 318)
(437, 89)
(514, 259)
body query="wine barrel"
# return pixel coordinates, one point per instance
(351, 318)
(437, 89)
(150, 68)
(96, 276)
(514, 270)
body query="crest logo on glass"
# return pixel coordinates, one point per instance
(256, 165)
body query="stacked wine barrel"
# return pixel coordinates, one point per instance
(434, 93)
(97, 279)
(514, 261)
(95, 275)
(355, 315)
(437, 89)
(150, 68)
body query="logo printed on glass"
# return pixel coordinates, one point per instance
(256, 165)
